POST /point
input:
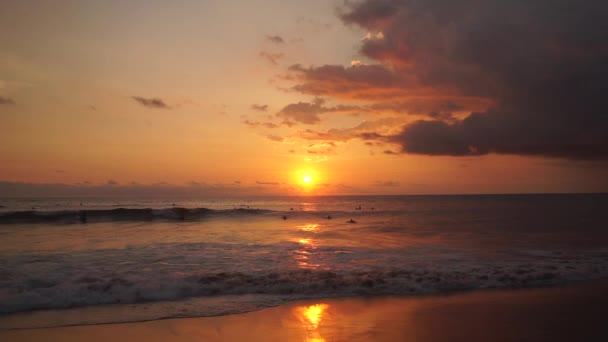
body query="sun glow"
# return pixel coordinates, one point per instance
(307, 178)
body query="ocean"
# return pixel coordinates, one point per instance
(66, 261)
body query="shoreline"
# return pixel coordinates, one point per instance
(553, 313)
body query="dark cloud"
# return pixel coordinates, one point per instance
(260, 108)
(276, 39)
(152, 102)
(272, 58)
(493, 132)
(6, 101)
(539, 67)
(308, 112)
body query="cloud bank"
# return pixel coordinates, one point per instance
(526, 76)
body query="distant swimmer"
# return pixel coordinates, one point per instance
(290, 208)
(328, 217)
(351, 221)
(284, 217)
(358, 208)
(373, 208)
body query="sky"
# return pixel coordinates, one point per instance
(252, 97)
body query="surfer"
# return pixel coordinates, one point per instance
(351, 221)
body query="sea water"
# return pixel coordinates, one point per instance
(105, 260)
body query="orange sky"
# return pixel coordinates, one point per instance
(207, 92)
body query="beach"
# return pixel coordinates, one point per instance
(573, 313)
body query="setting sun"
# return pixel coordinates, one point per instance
(306, 178)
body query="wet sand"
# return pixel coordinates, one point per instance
(575, 313)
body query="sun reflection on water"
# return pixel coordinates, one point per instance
(305, 256)
(311, 227)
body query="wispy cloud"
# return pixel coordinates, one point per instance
(275, 39)
(6, 101)
(308, 112)
(152, 102)
(259, 108)
(272, 58)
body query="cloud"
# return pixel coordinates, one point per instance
(6, 101)
(485, 133)
(308, 112)
(275, 138)
(152, 102)
(259, 108)
(272, 58)
(528, 75)
(386, 183)
(88, 189)
(275, 39)
(263, 124)
(358, 82)
(267, 183)
(378, 129)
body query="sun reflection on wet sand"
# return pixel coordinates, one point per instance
(311, 316)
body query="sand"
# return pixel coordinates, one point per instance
(575, 313)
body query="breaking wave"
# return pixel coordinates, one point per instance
(69, 288)
(122, 214)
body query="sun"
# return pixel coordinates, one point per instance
(306, 178)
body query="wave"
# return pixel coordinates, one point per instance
(129, 287)
(166, 214)
(122, 214)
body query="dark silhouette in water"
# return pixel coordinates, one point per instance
(328, 217)
(284, 217)
(181, 213)
(358, 208)
(82, 216)
(351, 221)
